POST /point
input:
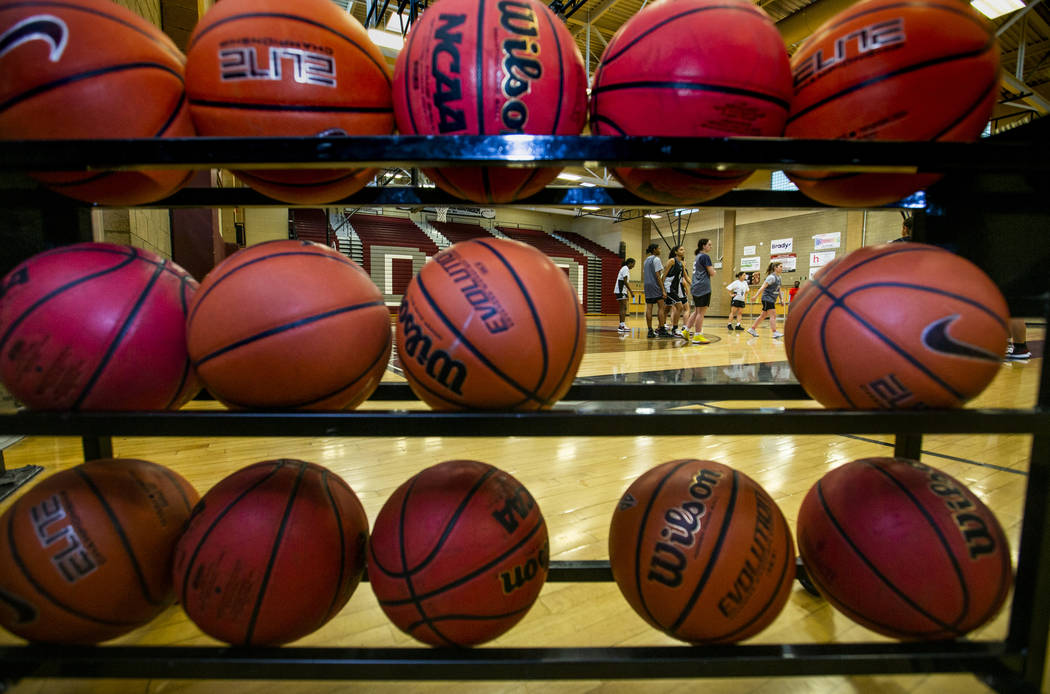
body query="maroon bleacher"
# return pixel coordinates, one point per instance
(611, 264)
(460, 231)
(312, 225)
(380, 230)
(550, 246)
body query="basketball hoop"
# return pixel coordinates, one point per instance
(442, 214)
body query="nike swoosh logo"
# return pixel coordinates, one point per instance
(41, 27)
(935, 336)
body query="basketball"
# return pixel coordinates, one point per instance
(904, 549)
(490, 324)
(96, 326)
(86, 69)
(85, 554)
(701, 552)
(490, 68)
(271, 553)
(691, 68)
(893, 327)
(884, 70)
(260, 68)
(289, 324)
(459, 554)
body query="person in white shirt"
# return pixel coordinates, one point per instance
(622, 290)
(738, 288)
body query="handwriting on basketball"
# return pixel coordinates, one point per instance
(75, 558)
(447, 86)
(759, 562)
(519, 68)
(493, 316)
(441, 367)
(240, 62)
(971, 525)
(517, 507)
(850, 47)
(519, 576)
(683, 522)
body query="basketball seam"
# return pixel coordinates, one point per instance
(295, 18)
(13, 546)
(332, 606)
(274, 549)
(345, 175)
(81, 76)
(479, 60)
(298, 108)
(176, 484)
(187, 367)
(882, 8)
(466, 616)
(117, 340)
(561, 74)
(692, 86)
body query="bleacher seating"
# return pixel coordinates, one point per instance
(311, 224)
(460, 231)
(555, 249)
(393, 251)
(611, 264)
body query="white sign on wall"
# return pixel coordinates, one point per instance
(754, 263)
(832, 240)
(819, 259)
(785, 259)
(749, 250)
(781, 246)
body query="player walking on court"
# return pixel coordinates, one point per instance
(622, 289)
(770, 295)
(652, 271)
(672, 278)
(703, 271)
(738, 289)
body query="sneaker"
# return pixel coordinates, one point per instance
(752, 332)
(777, 333)
(662, 333)
(730, 326)
(623, 329)
(739, 327)
(1019, 355)
(699, 339)
(677, 333)
(1010, 348)
(687, 333)
(650, 334)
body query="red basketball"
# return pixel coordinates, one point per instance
(85, 555)
(697, 68)
(904, 549)
(267, 68)
(96, 326)
(289, 324)
(83, 69)
(490, 324)
(458, 554)
(271, 553)
(897, 326)
(701, 552)
(885, 70)
(490, 68)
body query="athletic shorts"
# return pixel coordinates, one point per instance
(738, 303)
(671, 300)
(620, 297)
(702, 301)
(768, 305)
(654, 301)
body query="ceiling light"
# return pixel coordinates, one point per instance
(590, 208)
(397, 23)
(384, 39)
(570, 176)
(996, 8)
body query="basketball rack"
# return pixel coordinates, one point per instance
(992, 207)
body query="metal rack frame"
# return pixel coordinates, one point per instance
(1014, 664)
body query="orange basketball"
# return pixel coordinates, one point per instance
(904, 549)
(458, 554)
(83, 69)
(897, 326)
(884, 70)
(272, 553)
(85, 555)
(490, 324)
(267, 68)
(701, 552)
(697, 68)
(289, 324)
(490, 68)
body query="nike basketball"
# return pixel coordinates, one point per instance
(897, 326)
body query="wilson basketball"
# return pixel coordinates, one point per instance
(696, 68)
(490, 324)
(884, 70)
(85, 554)
(893, 327)
(904, 549)
(490, 68)
(96, 326)
(458, 554)
(289, 324)
(84, 69)
(271, 553)
(263, 68)
(701, 552)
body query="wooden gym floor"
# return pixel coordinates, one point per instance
(577, 481)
